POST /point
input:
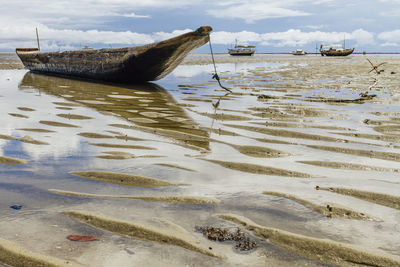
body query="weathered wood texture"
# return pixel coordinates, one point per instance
(124, 65)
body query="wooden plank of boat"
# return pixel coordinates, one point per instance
(122, 65)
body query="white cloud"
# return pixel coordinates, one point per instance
(390, 37)
(251, 12)
(81, 13)
(390, 44)
(315, 27)
(133, 15)
(292, 37)
(22, 34)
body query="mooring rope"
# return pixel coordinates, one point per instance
(215, 75)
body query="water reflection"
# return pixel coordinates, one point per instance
(244, 68)
(147, 107)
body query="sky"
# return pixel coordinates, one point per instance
(270, 25)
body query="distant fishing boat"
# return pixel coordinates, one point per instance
(242, 50)
(122, 65)
(335, 50)
(299, 52)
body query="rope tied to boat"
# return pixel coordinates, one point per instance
(215, 74)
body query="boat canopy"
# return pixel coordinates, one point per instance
(244, 46)
(332, 45)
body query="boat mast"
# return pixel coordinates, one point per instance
(37, 39)
(344, 41)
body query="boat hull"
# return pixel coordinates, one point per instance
(336, 53)
(241, 54)
(122, 65)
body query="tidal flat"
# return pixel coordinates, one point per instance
(142, 167)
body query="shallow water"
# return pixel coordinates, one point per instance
(286, 108)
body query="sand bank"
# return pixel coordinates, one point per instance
(167, 199)
(319, 249)
(123, 179)
(259, 169)
(347, 166)
(15, 255)
(329, 210)
(12, 161)
(136, 230)
(378, 198)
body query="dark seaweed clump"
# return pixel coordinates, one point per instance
(242, 241)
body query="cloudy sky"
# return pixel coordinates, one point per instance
(271, 25)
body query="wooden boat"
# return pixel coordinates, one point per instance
(242, 50)
(335, 50)
(122, 65)
(299, 52)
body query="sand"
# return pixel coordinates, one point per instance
(74, 116)
(324, 250)
(12, 161)
(259, 169)
(95, 135)
(116, 155)
(122, 146)
(17, 115)
(166, 199)
(359, 152)
(25, 139)
(122, 179)
(36, 130)
(136, 230)
(58, 124)
(330, 210)
(378, 198)
(175, 166)
(14, 255)
(348, 166)
(287, 118)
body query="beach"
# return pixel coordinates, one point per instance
(302, 156)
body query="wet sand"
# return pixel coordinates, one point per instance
(167, 199)
(142, 167)
(122, 178)
(319, 249)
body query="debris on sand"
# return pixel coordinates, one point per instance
(136, 230)
(242, 241)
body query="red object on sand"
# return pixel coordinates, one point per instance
(82, 238)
